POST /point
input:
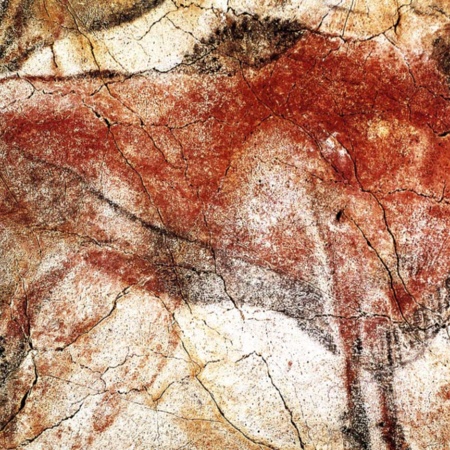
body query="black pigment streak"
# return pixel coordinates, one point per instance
(105, 15)
(245, 283)
(247, 39)
(441, 54)
(357, 432)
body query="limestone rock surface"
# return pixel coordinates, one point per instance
(225, 224)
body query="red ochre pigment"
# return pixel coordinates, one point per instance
(359, 126)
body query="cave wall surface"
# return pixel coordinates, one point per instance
(225, 224)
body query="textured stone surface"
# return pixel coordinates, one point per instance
(224, 225)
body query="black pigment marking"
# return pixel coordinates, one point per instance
(14, 351)
(447, 283)
(244, 283)
(3, 8)
(441, 53)
(104, 14)
(357, 433)
(391, 430)
(249, 40)
(13, 22)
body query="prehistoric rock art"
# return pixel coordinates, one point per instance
(242, 243)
